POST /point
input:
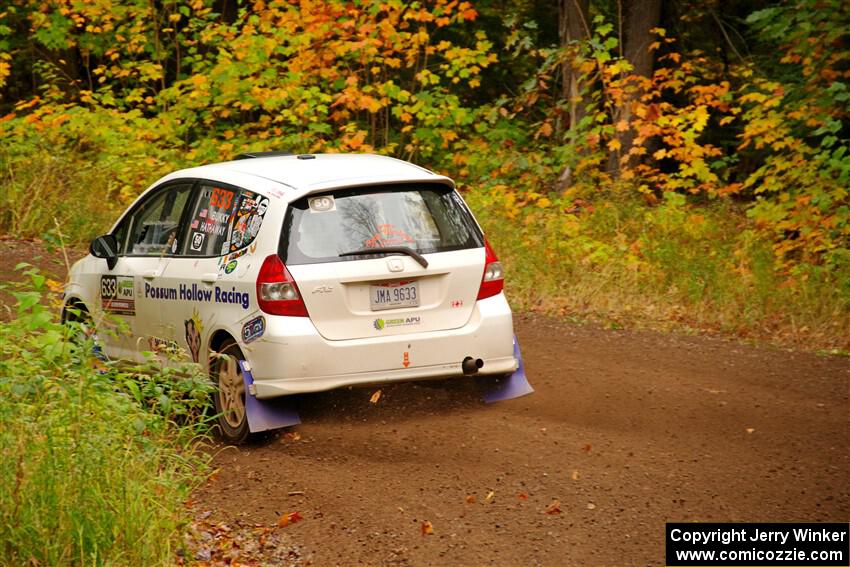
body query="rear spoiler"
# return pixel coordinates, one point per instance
(249, 155)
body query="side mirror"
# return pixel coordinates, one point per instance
(105, 246)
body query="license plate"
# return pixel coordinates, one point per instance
(393, 295)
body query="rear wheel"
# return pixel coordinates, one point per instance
(229, 397)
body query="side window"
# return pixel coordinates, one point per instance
(224, 219)
(153, 229)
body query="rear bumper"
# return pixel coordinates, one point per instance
(292, 357)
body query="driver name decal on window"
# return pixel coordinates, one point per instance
(211, 220)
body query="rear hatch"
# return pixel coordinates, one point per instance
(385, 260)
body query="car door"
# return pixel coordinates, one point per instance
(147, 239)
(206, 275)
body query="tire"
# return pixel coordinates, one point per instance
(76, 313)
(229, 395)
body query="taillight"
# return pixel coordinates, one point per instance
(277, 292)
(493, 280)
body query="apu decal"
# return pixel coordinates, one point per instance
(117, 295)
(381, 324)
(253, 329)
(230, 266)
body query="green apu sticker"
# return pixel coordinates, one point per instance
(231, 265)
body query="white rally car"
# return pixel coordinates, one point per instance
(320, 271)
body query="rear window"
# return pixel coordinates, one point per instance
(318, 228)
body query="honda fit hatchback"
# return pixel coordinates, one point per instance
(319, 271)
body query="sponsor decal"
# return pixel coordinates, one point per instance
(117, 295)
(389, 235)
(186, 292)
(405, 361)
(457, 303)
(197, 240)
(230, 266)
(381, 324)
(322, 204)
(227, 258)
(253, 329)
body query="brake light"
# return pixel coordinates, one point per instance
(493, 280)
(277, 292)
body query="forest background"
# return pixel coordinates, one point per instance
(678, 164)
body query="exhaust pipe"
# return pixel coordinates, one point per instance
(471, 365)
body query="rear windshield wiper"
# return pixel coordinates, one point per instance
(389, 250)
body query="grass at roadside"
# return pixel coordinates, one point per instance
(98, 461)
(671, 266)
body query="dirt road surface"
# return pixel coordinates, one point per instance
(626, 430)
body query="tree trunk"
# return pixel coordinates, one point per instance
(641, 16)
(573, 26)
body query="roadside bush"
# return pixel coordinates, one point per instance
(97, 465)
(673, 266)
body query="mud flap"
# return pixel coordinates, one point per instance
(266, 414)
(507, 387)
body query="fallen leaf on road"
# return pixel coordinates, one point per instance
(427, 528)
(490, 496)
(575, 475)
(287, 519)
(375, 397)
(470, 499)
(522, 495)
(591, 506)
(750, 430)
(587, 447)
(291, 436)
(554, 507)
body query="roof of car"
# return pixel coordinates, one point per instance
(313, 172)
